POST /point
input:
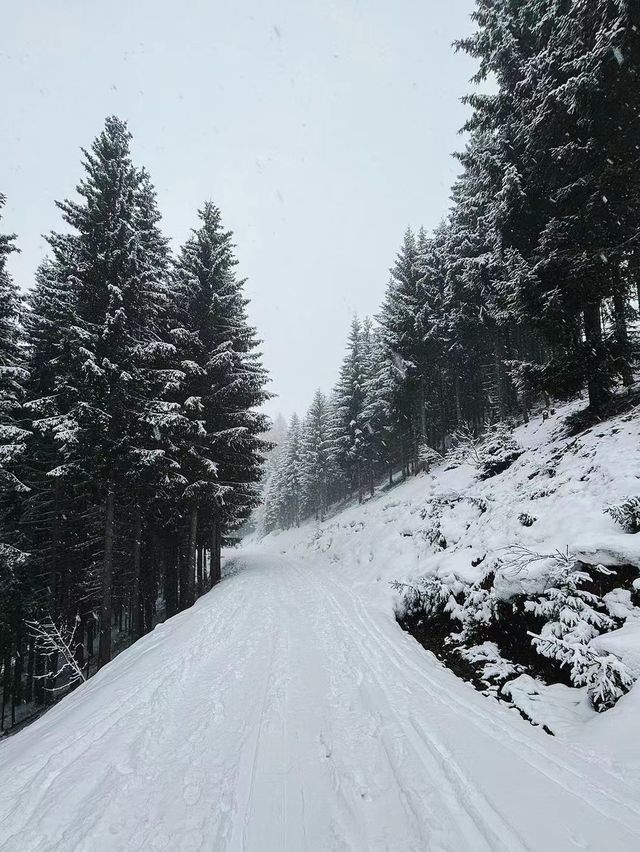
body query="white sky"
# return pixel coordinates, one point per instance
(321, 129)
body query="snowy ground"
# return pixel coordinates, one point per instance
(282, 713)
(288, 711)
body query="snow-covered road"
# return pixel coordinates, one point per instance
(280, 713)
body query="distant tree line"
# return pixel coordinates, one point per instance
(528, 290)
(130, 433)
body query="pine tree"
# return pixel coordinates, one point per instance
(318, 472)
(291, 474)
(383, 411)
(12, 368)
(226, 380)
(350, 400)
(403, 340)
(271, 511)
(104, 423)
(14, 581)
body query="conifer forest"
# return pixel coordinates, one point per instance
(132, 440)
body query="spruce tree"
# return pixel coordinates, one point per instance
(318, 472)
(106, 394)
(226, 382)
(12, 368)
(291, 474)
(15, 586)
(350, 402)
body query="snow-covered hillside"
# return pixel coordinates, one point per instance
(450, 525)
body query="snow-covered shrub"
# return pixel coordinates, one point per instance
(58, 642)
(606, 677)
(479, 608)
(435, 536)
(490, 662)
(465, 447)
(431, 596)
(526, 519)
(479, 502)
(627, 514)
(573, 617)
(498, 451)
(428, 456)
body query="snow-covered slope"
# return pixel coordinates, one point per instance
(563, 482)
(450, 524)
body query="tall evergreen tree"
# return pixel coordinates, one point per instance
(350, 402)
(318, 472)
(106, 395)
(226, 382)
(12, 367)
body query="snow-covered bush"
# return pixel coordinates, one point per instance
(428, 456)
(491, 453)
(498, 451)
(479, 608)
(435, 536)
(58, 642)
(465, 447)
(627, 514)
(573, 617)
(431, 596)
(606, 677)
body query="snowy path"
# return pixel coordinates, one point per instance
(281, 714)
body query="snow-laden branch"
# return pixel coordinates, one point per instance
(52, 639)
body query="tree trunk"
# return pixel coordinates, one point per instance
(135, 591)
(16, 697)
(200, 575)
(598, 391)
(104, 647)
(216, 570)
(6, 668)
(193, 547)
(497, 367)
(28, 693)
(622, 337)
(171, 579)
(458, 405)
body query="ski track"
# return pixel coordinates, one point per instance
(283, 712)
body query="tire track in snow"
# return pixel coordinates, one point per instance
(491, 727)
(496, 833)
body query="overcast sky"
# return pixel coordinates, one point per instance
(321, 129)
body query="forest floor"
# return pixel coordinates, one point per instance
(287, 710)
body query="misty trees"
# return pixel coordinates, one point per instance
(133, 399)
(318, 462)
(350, 432)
